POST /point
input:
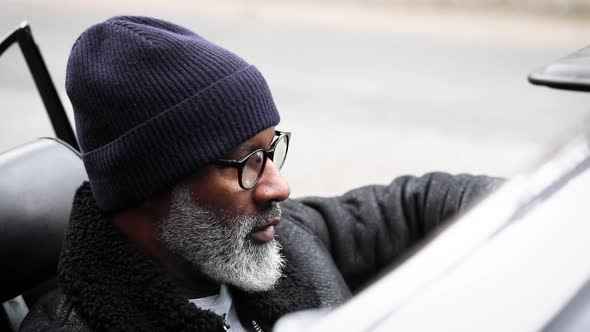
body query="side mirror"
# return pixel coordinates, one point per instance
(568, 73)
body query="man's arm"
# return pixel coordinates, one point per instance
(368, 228)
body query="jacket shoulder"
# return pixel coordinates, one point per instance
(53, 312)
(369, 228)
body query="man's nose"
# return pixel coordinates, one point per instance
(272, 186)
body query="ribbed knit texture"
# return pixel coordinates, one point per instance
(153, 102)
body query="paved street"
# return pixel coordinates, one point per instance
(368, 93)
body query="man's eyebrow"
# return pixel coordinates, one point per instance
(245, 148)
(241, 151)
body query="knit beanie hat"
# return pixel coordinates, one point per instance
(153, 102)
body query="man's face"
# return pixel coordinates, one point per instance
(225, 231)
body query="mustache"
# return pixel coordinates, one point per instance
(273, 211)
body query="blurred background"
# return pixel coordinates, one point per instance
(370, 89)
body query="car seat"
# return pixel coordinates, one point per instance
(38, 181)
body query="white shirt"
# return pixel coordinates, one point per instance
(221, 304)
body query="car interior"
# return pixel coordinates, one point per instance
(38, 181)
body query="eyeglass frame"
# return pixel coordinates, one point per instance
(241, 163)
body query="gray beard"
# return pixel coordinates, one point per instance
(220, 247)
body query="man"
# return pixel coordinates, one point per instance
(185, 223)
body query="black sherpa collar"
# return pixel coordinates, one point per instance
(117, 288)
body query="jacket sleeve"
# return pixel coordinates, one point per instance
(366, 229)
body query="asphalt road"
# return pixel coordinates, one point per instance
(369, 93)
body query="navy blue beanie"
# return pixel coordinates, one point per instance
(154, 102)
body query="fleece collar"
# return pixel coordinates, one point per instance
(117, 288)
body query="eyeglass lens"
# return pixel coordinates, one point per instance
(252, 169)
(254, 164)
(280, 153)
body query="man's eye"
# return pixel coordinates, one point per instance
(255, 161)
(258, 157)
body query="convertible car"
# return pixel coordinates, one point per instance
(517, 261)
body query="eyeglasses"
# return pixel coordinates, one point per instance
(250, 167)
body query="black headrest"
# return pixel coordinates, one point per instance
(37, 185)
